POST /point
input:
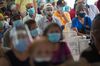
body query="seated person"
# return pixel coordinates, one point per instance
(54, 34)
(92, 54)
(41, 52)
(34, 30)
(81, 24)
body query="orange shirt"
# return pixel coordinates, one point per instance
(62, 19)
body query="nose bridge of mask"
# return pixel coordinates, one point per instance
(17, 23)
(54, 37)
(34, 32)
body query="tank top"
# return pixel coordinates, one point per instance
(14, 61)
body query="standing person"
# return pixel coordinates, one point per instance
(48, 17)
(64, 17)
(20, 42)
(81, 24)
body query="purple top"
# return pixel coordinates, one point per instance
(62, 54)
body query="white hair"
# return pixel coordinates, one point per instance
(48, 5)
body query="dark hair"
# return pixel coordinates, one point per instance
(61, 2)
(96, 20)
(51, 25)
(29, 22)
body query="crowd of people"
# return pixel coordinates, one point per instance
(35, 36)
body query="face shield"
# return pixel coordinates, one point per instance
(21, 38)
(49, 11)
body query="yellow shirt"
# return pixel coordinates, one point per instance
(22, 4)
(62, 20)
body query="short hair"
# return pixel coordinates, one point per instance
(96, 20)
(29, 22)
(48, 5)
(61, 2)
(51, 25)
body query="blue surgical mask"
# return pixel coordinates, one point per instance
(66, 8)
(17, 23)
(82, 15)
(54, 37)
(31, 11)
(21, 45)
(34, 32)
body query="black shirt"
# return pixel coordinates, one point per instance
(91, 55)
(15, 61)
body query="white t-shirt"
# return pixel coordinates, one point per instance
(37, 18)
(93, 11)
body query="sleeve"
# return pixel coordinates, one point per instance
(68, 16)
(66, 49)
(57, 21)
(89, 22)
(39, 24)
(96, 9)
(73, 23)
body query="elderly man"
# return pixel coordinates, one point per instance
(48, 17)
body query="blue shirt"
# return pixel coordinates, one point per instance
(81, 27)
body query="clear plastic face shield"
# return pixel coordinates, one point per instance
(20, 38)
(49, 11)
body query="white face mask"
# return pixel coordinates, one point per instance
(42, 59)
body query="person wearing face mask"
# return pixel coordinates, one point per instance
(20, 41)
(31, 13)
(48, 17)
(82, 23)
(64, 17)
(61, 52)
(91, 10)
(41, 52)
(34, 30)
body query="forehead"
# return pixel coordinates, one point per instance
(54, 28)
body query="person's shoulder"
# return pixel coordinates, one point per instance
(87, 17)
(42, 19)
(89, 52)
(4, 62)
(75, 19)
(38, 15)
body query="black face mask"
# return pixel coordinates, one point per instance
(82, 15)
(43, 63)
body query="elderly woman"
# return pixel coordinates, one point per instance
(82, 23)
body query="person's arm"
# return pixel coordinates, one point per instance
(4, 62)
(89, 22)
(66, 16)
